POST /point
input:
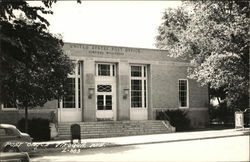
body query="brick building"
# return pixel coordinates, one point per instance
(121, 83)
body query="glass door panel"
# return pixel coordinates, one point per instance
(108, 102)
(100, 102)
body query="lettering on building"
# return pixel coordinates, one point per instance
(103, 50)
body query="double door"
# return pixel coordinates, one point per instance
(106, 99)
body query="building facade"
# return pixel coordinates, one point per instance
(122, 83)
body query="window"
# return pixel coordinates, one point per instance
(105, 69)
(108, 102)
(9, 105)
(136, 93)
(9, 132)
(72, 96)
(104, 102)
(104, 88)
(69, 100)
(136, 71)
(138, 86)
(6, 132)
(2, 132)
(100, 102)
(183, 93)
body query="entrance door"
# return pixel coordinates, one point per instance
(105, 91)
(138, 93)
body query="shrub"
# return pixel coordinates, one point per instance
(38, 128)
(222, 114)
(177, 118)
(247, 119)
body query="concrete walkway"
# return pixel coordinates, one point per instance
(157, 138)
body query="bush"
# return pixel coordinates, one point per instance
(247, 120)
(38, 128)
(177, 118)
(221, 114)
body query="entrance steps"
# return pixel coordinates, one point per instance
(116, 128)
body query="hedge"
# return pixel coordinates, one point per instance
(38, 128)
(177, 118)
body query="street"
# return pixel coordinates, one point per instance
(218, 149)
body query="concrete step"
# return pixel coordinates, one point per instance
(115, 128)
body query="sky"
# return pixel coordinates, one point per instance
(118, 23)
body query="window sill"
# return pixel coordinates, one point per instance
(183, 107)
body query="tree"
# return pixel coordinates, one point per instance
(34, 68)
(214, 36)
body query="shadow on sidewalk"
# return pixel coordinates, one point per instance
(79, 149)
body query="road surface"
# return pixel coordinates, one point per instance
(218, 149)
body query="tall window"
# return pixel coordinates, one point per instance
(72, 96)
(183, 93)
(138, 86)
(9, 105)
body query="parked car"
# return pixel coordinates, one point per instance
(12, 140)
(14, 157)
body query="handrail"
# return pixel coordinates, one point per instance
(165, 116)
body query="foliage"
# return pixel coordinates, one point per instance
(38, 128)
(221, 114)
(177, 118)
(33, 65)
(214, 36)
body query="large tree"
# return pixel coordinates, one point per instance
(33, 65)
(214, 36)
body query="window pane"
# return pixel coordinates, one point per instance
(2, 132)
(79, 93)
(9, 132)
(79, 68)
(136, 71)
(69, 97)
(145, 72)
(100, 102)
(136, 93)
(183, 93)
(73, 72)
(9, 104)
(113, 69)
(108, 102)
(103, 70)
(145, 93)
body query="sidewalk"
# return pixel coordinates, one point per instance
(52, 146)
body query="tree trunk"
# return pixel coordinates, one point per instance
(26, 120)
(218, 99)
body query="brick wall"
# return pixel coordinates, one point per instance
(165, 85)
(165, 93)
